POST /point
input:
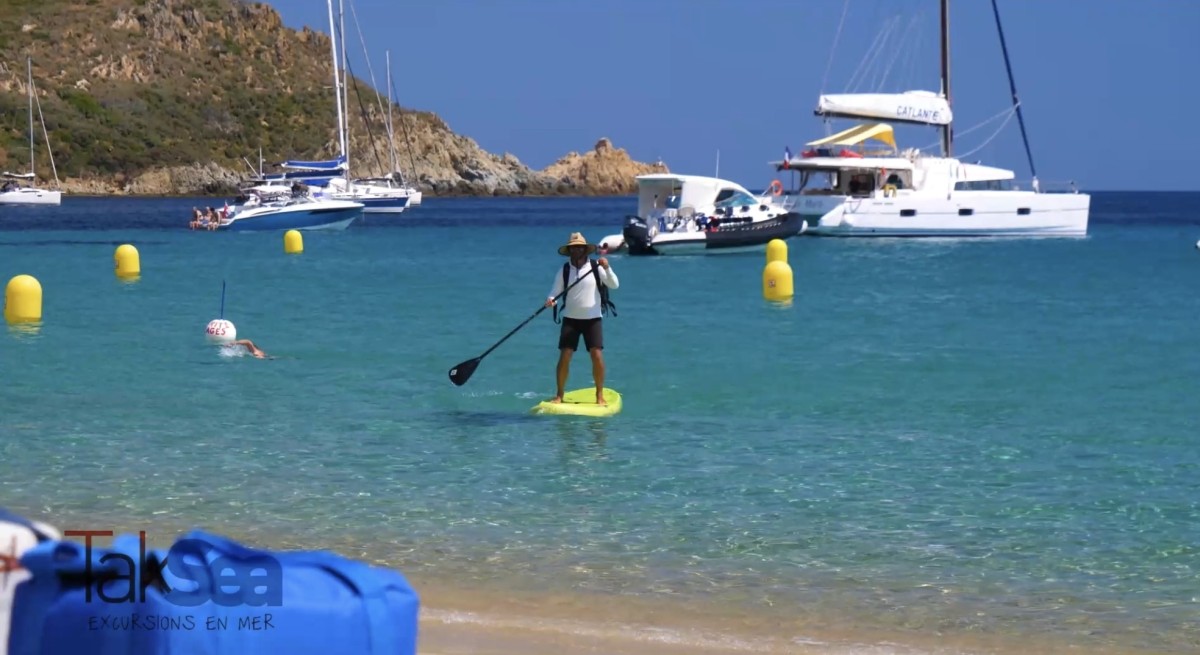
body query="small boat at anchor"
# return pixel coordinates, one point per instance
(691, 214)
(299, 212)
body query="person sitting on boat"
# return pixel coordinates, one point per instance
(196, 217)
(894, 180)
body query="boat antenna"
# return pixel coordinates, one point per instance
(718, 173)
(947, 129)
(1012, 85)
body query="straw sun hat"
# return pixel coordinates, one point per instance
(577, 240)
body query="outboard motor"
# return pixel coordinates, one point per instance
(637, 236)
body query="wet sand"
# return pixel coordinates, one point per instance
(460, 622)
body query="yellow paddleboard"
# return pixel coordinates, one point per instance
(582, 402)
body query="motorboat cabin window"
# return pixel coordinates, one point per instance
(733, 198)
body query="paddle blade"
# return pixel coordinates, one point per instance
(461, 373)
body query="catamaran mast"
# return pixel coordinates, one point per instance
(337, 87)
(1012, 85)
(947, 129)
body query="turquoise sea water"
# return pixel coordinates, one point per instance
(937, 436)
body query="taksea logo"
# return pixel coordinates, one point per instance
(198, 574)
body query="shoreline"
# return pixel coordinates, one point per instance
(458, 621)
(512, 614)
(427, 195)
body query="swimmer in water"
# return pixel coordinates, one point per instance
(249, 345)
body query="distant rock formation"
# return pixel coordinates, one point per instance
(603, 171)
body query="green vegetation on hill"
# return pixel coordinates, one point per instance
(130, 85)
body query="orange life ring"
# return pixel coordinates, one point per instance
(776, 188)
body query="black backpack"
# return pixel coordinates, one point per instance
(606, 306)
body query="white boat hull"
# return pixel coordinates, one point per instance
(748, 236)
(30, 196)
(613, 242)
(295, 215)
(963, 214)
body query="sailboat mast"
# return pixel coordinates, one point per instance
(391, 135)
(29, 88)
(947, 130)
(337, 87)
(345, 86)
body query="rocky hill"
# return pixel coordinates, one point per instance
(165, 97)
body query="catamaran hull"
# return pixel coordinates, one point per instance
(728, 238)
(31, 197)
(1007, 215)
(313, 219)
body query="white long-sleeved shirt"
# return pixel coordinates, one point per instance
(583, 301)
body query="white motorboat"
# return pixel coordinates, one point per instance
(841, 188)
(683, 214)
(299, 212)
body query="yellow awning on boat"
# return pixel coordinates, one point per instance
(858, 134)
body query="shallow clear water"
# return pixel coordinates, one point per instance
(991, 435)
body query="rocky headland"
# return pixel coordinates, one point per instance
(177, 97)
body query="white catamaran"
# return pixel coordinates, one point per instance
(13, 192)
(842, 188)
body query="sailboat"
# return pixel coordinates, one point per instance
(846, 188)
(385, 194)
(297, 209)
(13, 192)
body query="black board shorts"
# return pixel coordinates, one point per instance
(572, 328)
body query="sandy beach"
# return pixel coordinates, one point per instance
(460, 622)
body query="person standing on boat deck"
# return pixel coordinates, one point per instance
(583, 311)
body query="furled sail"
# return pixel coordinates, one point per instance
(923, 107)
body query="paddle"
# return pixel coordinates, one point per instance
(461, 373)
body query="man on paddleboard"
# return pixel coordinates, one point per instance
(583, 311)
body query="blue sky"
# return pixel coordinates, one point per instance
(1109, 88)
